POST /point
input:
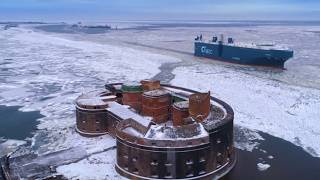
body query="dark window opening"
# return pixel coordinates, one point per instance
(218, 165)
(136, 171)
(134, 159)
(154, 163)
(154, 174)
(189, 174)
(168, 175)
(189, 162)
(202, 159)
(219, 160)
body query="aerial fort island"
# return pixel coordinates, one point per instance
(162, 131)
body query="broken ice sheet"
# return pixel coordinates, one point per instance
(246, 139)
(9, 146)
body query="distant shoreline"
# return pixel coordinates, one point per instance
(183, 22)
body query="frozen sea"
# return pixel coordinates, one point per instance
(277, 129)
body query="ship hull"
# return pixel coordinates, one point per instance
(242, 55)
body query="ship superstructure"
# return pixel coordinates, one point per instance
(268, 54)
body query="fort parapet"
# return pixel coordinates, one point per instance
(162, 131)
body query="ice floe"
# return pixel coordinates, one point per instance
(246, 139)
(263, 167)
(10, 145)
(270, 157)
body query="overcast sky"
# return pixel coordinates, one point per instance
(101, 10)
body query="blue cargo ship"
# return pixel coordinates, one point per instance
(253, 54)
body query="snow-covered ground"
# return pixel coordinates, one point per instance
(99, 166)
(289, 112)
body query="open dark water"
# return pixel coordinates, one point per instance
(289, 162)
(15, 124)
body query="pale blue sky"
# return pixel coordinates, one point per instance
(101, 10)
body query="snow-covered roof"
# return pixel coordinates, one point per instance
(158, 92)
(161, 132)
(132, 131)
(125, 113)
(91, 102)
(182, 104)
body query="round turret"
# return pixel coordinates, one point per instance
(178, 134)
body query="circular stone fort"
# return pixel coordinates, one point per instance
(162, 131)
